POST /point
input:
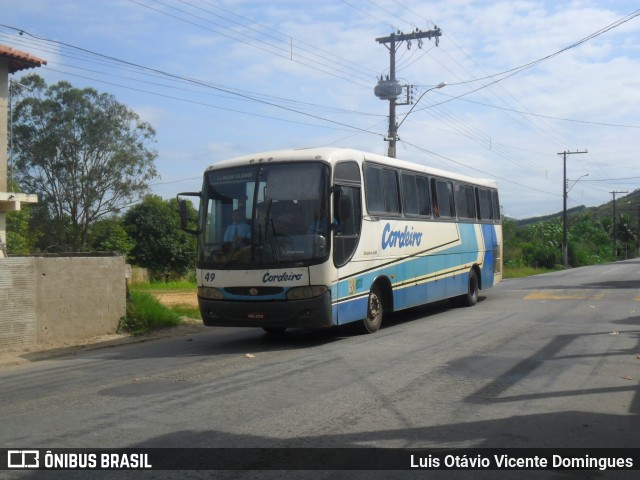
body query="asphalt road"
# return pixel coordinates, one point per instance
(548, 361)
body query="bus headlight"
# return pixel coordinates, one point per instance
(300, 293)
(210, 293)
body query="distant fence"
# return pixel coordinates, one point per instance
(57, 299)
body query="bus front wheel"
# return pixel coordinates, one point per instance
(375, 311)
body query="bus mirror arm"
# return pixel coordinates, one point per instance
(184, 212)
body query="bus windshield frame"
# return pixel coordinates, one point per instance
(265, 215)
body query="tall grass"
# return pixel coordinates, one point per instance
(145, 313)
(171, 285)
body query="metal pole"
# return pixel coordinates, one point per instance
(615, 250)
(393, 130)
(565, 249)
(565, 227)
(391, 40)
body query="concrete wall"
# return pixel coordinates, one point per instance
(17, 302)
(52, 300)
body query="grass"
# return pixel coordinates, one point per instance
(518, 272)
(146, 313)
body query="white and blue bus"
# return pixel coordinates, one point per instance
(321, 237)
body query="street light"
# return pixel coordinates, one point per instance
(575, 181)
(440, 85)
(393, 125)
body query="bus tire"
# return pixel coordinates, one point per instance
(274, 330)
(471, 297)
(375, 310)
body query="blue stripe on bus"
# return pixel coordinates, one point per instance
(425, 270)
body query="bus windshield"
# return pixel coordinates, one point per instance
(262, 215)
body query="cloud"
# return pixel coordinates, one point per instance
(315, 60)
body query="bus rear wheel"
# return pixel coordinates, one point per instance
(375, 311)
(471, 297)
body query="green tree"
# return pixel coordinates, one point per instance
(160, 245)
(110, 235)
(589, 242)
(511, 235)
(625, 234)
(84, 154)
(544, 245)
(21, 240)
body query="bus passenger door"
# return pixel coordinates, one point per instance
(346, 227)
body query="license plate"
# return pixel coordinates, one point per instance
(256, 316)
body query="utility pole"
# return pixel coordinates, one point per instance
(615, 250)
(638, 234)
(389, 89)
(565, 242)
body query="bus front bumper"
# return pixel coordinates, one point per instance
(308, 313)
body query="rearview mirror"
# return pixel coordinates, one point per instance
(184, 211)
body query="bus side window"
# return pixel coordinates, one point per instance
(423, 195)
(465, 202)
(434, 199)
(485, 207)
(415, 195)
(443, 198)
(381, 187)
(496, 206)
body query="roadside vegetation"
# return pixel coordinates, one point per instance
(537, 247)
(145, 313)
(518, 272)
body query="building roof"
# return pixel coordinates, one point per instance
(20, 60)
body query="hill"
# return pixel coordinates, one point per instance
(627, 204)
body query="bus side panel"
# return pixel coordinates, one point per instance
(436, 288)
(411, 292)
(455, 285)
(490, 243)
(352, 310)
(421, 279)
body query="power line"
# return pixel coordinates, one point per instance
(348, 63)
(526, 66)
(237, 37)
(189, 80)
(603, 124)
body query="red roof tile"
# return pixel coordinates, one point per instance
(19, 60)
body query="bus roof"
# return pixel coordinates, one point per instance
(335, 154)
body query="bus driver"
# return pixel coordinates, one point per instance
(237, 233)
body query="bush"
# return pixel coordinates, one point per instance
(540, 255)
(145, 313)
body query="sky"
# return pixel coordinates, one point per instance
(216, 79)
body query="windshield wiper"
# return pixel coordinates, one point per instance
(272, 239)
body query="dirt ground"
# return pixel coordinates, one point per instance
(178, 297)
